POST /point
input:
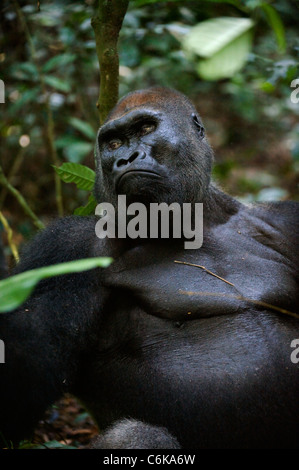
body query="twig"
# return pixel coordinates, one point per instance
(13, 170)
(9, 233)
(245, 299)
(205, 269)
(20, 200)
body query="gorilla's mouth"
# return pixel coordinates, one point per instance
(123, 177)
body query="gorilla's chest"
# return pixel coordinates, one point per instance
(175, 283)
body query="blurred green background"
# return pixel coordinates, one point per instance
(49, 66)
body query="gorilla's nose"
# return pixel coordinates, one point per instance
(123, 162)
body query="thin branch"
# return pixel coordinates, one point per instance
(13, 171)
(205, 269)
(20, 200)
(244, 299)
(9, 233)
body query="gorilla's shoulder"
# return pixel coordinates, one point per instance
(282, 216)
(64, 239)
(282, 212)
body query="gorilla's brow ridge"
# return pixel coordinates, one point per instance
(114, 125)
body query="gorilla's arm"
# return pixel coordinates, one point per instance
(46, 338)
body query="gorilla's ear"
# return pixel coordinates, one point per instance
(199, 127)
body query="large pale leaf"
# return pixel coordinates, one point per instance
(15, 290)
(81, 175)
(222, 43)
(227, 62)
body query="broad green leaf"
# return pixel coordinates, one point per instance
(222, 43)
(227, 62)
(84, 127)
(16, 289)
(77, 151)
(81, 175)
(59, 60)
(57, 83)
(276, 24)
(89, 208)
(211, 36)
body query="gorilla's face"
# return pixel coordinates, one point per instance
(152, 149)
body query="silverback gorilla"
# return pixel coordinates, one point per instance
(163, 354)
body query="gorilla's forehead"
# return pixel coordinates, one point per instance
(121, 112)
(157, 98)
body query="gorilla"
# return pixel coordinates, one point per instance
(168, 347)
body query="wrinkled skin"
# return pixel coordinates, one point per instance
(190, 359)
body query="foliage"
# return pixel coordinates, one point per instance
(15, 289)
(84, 178)
(224, 43)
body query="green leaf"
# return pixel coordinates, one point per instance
(89, 208)
(60, 60)
(211, 36)
(29, 69)
(84, 127)
(66, 140)
(81, 175)
(276, 24)
(57, 83)
(224, 45)
(227, 62)
(77, 151)
(16, 289)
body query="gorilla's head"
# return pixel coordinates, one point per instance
(152, 148)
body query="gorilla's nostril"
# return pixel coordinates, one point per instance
(135, 155)
(121, 162)
(127, 161)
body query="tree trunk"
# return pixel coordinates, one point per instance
(106, 24)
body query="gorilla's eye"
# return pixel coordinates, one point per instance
(147, 129)
(114, 144)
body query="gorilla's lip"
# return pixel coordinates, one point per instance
(143, 172)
